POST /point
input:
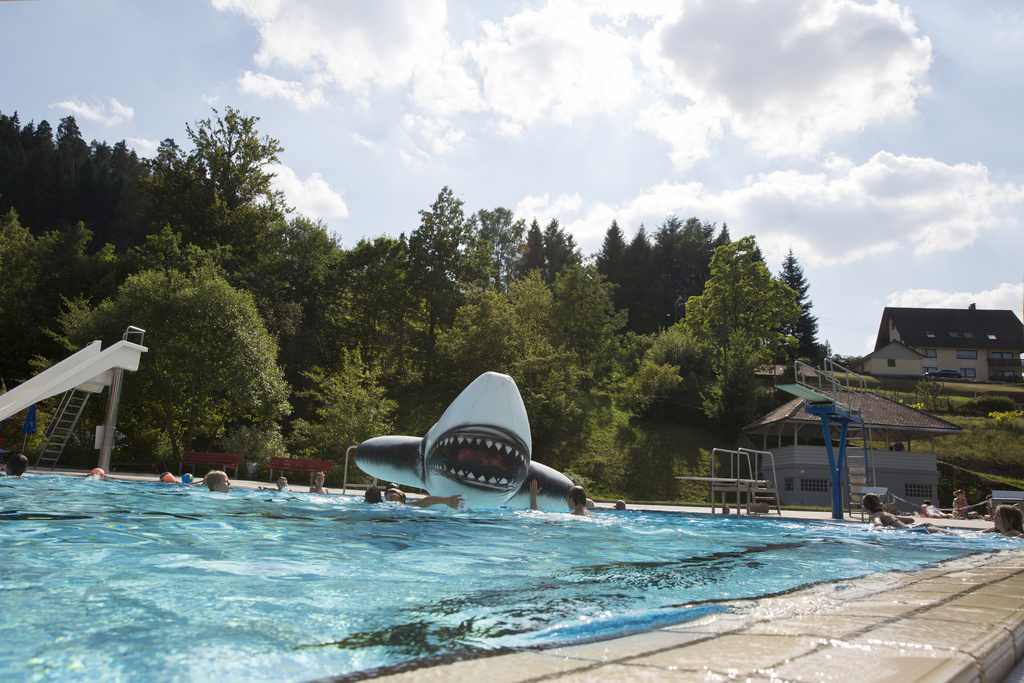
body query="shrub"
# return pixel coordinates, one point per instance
(983, 405)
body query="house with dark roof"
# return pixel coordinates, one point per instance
(979, 344)
(899, 452)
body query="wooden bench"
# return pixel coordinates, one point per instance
(299, 465)
(1011, 497)
(225, 460)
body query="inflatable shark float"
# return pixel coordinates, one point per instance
(479, 449)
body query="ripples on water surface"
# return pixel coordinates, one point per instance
(111, 580)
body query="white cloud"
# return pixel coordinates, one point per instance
(783, 76)
(553, 63)
(311, 197)
(543, 209)
(108, 114)
(144, 148)
(352, 43)
(886, 204)
(303, 97)
(1007, 296)
(789, 75)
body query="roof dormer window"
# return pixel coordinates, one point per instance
(991, 336)
(930, 335)
(968, 335)
(954, 335)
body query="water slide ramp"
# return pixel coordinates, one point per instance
(89, 370)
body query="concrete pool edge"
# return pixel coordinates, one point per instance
(959, 620)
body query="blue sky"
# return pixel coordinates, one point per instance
(881, 141)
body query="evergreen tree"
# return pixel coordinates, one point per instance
(609, 259)
(560, 251)
(805, 330)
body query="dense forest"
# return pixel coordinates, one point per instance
(268, 336)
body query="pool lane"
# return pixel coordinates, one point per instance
(961, 620)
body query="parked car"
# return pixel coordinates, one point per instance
(944, 374)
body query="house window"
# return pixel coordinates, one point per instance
(991, 336)
(1003, 374)
(930, 335)
(1004, 354)
(967, 354)
(890, 362)
(929, 353)
(787, 484)
(917, 490)
(968, 372)
(968, 335)
(814, 485)
(929, 368)
(954, 335)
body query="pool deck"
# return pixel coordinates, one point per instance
(960, 620)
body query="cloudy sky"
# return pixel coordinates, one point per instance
(880, 141)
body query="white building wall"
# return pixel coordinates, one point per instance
(804, 477)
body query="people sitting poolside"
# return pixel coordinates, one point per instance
(1008, 521)
(282, 485)
(16, 465)
(961, 508)
(318, 484)
(217, 480)
(879, 517)
(929, 510)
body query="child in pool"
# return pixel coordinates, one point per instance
(282, 485)
(1008, 521)
(318, 484)
(217, 480)
(396, 495)
(16, 465)
(576, 499)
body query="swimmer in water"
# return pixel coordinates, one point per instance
(217, 480)
(318, 484)
(282, 485)
(1008, 521)
(576, 499)
(16, 465)
(396, 495)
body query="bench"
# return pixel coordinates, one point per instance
(299, 465)
(1011, 497)
(225, 460)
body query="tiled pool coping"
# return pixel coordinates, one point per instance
(961, 620)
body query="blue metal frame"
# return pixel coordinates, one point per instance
(831, 413)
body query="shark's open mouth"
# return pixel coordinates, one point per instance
(481, 456)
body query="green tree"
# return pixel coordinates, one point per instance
(805, 331)
(446, 262)
(584, 322)
(740, 318)
(220, 192)
(210, 363)
(375, 309)
(504, 239)
(350, 407)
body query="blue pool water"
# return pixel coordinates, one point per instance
(111, 580)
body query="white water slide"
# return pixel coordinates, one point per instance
(88, 370)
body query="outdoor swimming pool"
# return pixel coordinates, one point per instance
(112, 580)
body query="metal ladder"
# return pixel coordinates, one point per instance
(59, 431)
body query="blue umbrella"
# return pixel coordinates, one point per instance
(30, 425)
